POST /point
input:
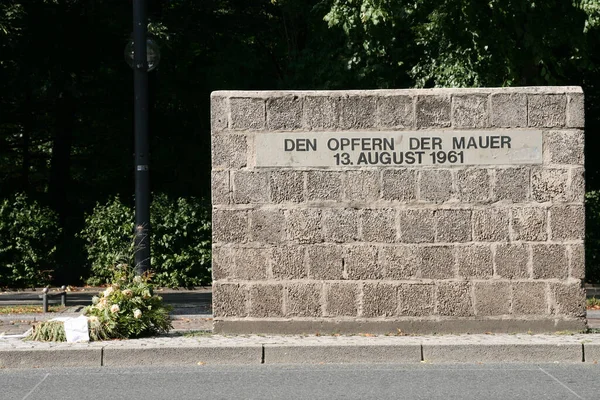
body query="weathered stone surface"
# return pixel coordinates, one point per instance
(569, 299)
(219, 113)
(549, 184)
(304, 300)
(473, 185)
(474, 261)
(284, 113)
(512, 184)
(250, 263)
(286, 186)
(575, 110)
(361, 186)
(453, 225)
(379, 300)
(220, 187)
(247, 113)
(395, 112)
(436, 185)
(490, 225)
(304, 225)
(416, 225)
(228, 151)
(437, 262)
(577, 261)
(549, 261)
(470, 111)
(399, 184)
(529, 223)
(564, 147)
(340, 225)
(509, 110)
(324, 185)
(232, 299)
(416, 299)
(250, 187)
(433, 111)
(511, 261)
(378, 225)
(547, 110)
(267, 226)
(399, 262)
(567, 222)
(266, 301)
(454, 299)
(289, 263)
(341, 299)
(223, 261)
(321, 112)
(358, 112)
(325, 262)
(577, 188)
(230, 226)
(361, 262)
(492, 298)
(529, 298)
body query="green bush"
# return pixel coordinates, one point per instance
(592, 236)
(28, 236)
(180, 240)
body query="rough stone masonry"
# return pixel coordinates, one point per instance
(398, 211)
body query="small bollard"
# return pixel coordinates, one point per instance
(45, 300)
(63, 296)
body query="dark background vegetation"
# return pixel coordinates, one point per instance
(66, 136)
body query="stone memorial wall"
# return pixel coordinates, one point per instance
(387, 211)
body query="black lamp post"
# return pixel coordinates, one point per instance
(142, 54)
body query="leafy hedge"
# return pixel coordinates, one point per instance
(180, 241)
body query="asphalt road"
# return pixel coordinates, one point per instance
(465, 381)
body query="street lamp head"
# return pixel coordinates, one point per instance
(152, 53)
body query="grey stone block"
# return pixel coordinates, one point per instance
(179, 356)
(250, 187)
(321, 112)
(395, 112)
(453, 225)
(436, 185)
(361, 186)
(564, 147)
(304, 300)
(529, 223)
(379, 300)
(223, 261)
(266, 301)
(529, 298)
(229, 300)
(577, 261)
(284, 113)
(286, 186)
(230, 226)
(340, 225)
(324, 185)
(361, 262)
(50, 358)
(550, 261)
(470, 111)
(437, 262)
(250, 263)
(416, 225)
(358, 112)
(577, 187)
(267, 226)
(568, 299)
(567, 222)
(433, 111)
(547, 110)
(220, 187)
(473, 185)
(592, 353)
(416, 299)
(228, 151)
(501, 353)
(512, 184)
(341, 299)
(219, 113)
(325, 262)
(341, 353)
(575, 110)
(492, 298)
(399, 185)
(549, 184)
(454, 299)
(399, 262)
(289, 263)
(247, 113)
(474, 261)
(304, 225)
(490, 225)
(511, 261)
(509, 110)
(378, 225)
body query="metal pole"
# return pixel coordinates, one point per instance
(142, 156)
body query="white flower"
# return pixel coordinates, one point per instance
(95, 300)
(94, 320)
(127, 292)
(114, 308)
(137, 313)
(146, 294)
(108, 291)
(137, 279)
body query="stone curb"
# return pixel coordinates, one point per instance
(217, 349)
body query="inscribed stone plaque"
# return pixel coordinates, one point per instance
(388, 149)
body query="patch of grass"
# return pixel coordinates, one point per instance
(593, 303)
(197, 334)
(28, 309)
